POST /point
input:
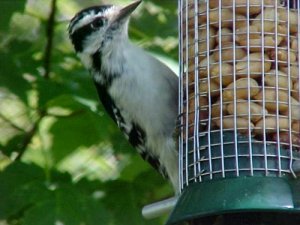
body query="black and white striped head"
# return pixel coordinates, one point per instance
(96, 26)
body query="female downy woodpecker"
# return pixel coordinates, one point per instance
(137, 91)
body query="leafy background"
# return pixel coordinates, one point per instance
(62, 159)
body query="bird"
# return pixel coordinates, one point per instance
(139, 92)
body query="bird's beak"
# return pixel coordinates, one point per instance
(126, 11)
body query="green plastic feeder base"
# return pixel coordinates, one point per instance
(254, 195)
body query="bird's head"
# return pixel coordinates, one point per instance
(95, 27)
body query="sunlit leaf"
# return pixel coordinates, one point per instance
(24, 27)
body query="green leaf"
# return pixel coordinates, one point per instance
(158, 188)
(70, 133)
(11, 76)
(10, 7)
(123, 203)
(96, 213)
(136, 166)
(47, 209)
(161, 16)
(67, 206)
(64, 206)
(14, 178)
(15, 62)
(65, 101)
(119, 143)
(27, 196)
(48, 90)
(66, 83)
(13, 145)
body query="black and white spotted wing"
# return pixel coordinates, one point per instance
(134, 133)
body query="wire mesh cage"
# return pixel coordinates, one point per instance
(239, 105)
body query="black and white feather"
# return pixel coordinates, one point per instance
(137, 91)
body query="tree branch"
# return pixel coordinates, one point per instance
(29, 135)
(47, 64)
(50, 34)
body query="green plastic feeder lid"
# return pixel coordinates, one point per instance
(237, 195)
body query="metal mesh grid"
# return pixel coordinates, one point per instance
(239, 88)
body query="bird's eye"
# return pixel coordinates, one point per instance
(97, 23)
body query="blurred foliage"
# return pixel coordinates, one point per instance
(62, 159)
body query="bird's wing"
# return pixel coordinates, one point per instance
(134, 133)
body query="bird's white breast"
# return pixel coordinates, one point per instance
(141, 91)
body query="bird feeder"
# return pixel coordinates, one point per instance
(239, 143)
